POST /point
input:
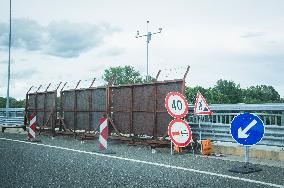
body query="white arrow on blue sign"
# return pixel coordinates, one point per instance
(247, 129)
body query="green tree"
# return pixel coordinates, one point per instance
(261, 94)
(216, 97)
(2, 102)
(226, 92)
(125, 75)
(148, 79)
(190, 93)
(13, 103)
(122, 75)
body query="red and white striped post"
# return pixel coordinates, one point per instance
(103, 133)
(32, 127)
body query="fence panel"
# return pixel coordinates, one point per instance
(44, 105)
(68, 101)
(163, 118)
(82, 108)
(139, 109)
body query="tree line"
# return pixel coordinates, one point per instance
(13, 103)
(228, 92)
(223, 92)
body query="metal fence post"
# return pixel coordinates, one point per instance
(282, 119)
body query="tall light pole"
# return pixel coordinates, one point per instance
(9, 63)
(149, 36)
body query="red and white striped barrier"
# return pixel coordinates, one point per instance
(103, 133)
(32, 127)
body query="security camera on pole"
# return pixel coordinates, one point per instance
(149, 37)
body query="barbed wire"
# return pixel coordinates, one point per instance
(171, 73)
(71, 84)
(167, 73)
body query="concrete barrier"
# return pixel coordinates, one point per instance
(256, 151)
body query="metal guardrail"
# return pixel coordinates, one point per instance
(16, 116)
(12, 121)
(217, 126)
(214, 127)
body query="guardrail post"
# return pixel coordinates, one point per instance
(282, 119)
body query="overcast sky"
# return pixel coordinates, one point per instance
(69, 40)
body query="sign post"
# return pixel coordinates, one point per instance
(201, 108)
(178, 130)
(247, 129)
(199, 126)
(171, 147)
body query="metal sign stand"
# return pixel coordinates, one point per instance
(240, 134)
(246, 154)
(199, 126)
(247, 167)
(171, 147)
(200, 136)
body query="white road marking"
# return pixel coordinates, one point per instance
(150, 163)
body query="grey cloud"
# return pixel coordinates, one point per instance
(23, 74)
(26, 34)
(276, 58)
(62, 39)
(5, 62)
(115, 51)
(70, 39)
(19, 75)
(252, 34)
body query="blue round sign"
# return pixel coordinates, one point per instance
(247, 129)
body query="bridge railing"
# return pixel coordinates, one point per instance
(15, 116)
(217, 126)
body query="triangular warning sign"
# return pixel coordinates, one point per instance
(201, 107)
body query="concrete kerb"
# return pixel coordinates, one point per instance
(256, 151)
(17, 130)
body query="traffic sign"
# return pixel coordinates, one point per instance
(247, 129)
(103, 133)
(201, 107)
(32, 127)
(179, 132)
(176, 105)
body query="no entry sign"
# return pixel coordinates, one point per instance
(176, 105)
(179, 132)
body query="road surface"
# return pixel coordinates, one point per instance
(66, 162)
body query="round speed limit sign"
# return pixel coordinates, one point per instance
(176, 105)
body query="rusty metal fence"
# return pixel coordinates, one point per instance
(139, 109)
(44, 105)
(133, 110)
(82, 108)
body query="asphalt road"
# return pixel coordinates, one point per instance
(65, 162)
